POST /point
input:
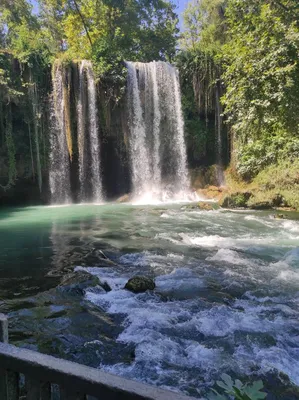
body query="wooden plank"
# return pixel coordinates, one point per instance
(3, 372)
(87, 380)
(13, 389)
(45, 391)
(3, 384)
(32, 388)
(67, 394)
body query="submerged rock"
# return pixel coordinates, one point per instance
(78, 279)
(279, 216)
(77, 282)
(105, 286)
(97, 257)
(208, 206)
(140, 284)
(202, 205)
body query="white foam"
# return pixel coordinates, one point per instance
(291, 258)
(268, 359)
(229, 256)
(163, 197)
(287, 268)
(260, 220)
(180, 283)
(221, 322)
(185, 327)
(290, 225)
(165, 215)
(206, 241)
(161, 331)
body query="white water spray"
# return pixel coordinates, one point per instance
(157, 146)
(88, 135)
(59, 156)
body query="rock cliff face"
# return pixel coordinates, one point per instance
(26, 126)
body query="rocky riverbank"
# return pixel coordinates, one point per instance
(276, 187)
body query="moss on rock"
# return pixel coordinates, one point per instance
(235, 200)
(140, 284)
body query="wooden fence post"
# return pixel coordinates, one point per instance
(3, 329)
(3, 373)
(9, 380)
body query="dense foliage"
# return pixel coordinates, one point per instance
(249, 50)
(261, 74)
(107, 31)
(200, 68)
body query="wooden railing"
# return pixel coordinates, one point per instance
(26, 374)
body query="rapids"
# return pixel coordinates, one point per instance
(226, 298)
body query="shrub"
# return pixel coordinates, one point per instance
(237, 390)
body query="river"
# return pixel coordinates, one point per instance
(226, 298)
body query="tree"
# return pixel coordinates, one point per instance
(199, 62)
(262, 80)
(108, 31)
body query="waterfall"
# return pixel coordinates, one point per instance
(88, 135)
(139, 153)
(156, 125)
(34, 97)
(219, 146)
(59, 153)
(182, 181)
(96, 184)
(81, 112)
(156, 144)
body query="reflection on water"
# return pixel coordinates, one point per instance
(226, 298)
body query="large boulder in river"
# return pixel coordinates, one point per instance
(140, 284)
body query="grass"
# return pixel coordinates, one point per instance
(281, 180)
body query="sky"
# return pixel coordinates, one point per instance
(181, 4)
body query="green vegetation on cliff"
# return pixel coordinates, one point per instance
(261, 74)
(238, 61)
(106, 32)
(246, 52)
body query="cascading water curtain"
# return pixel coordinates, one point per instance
(59, 154)
(157, 145)
(88, 136)
(139, 153)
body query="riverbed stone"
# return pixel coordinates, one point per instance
(279, 216)
(208, 206)
(77, 278)
(140, 284)
(202, 205)
(123, 199)
(77, 282)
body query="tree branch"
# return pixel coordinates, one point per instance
(83, 22)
